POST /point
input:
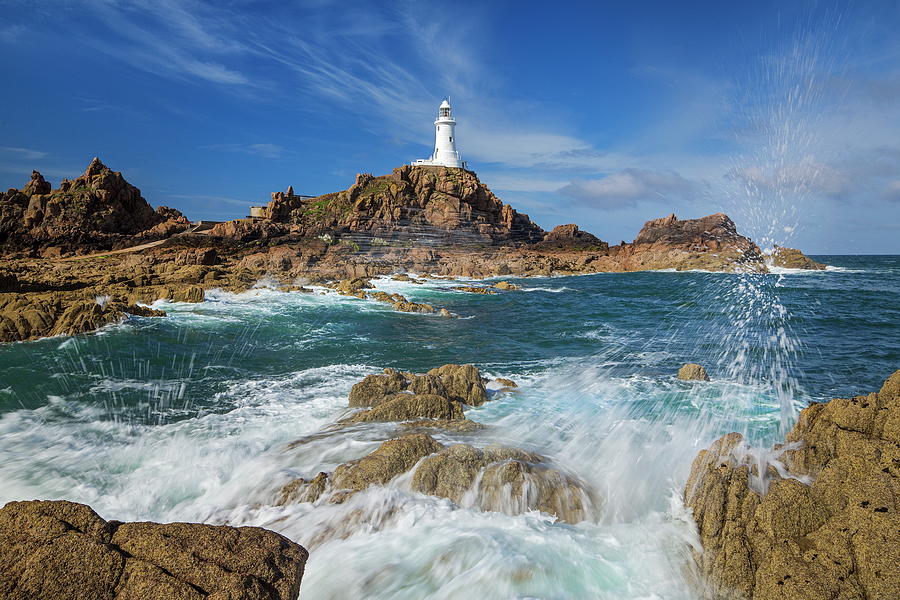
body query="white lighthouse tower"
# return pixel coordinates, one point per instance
(445, 153)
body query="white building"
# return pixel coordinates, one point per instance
(445, 153)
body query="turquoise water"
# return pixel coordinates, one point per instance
(191, 417)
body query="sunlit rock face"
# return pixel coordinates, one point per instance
(821, 523)
(63, 550)
(435, 204)
(96, 209)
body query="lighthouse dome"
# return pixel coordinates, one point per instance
(445, 104)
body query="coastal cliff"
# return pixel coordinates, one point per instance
(822, 522)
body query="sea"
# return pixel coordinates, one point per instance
(206, 414)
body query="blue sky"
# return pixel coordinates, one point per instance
(784, 115)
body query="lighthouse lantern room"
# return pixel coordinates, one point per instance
(445, 153)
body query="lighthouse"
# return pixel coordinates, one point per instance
(445, 153)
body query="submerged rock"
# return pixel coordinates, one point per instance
(392, 458)
(826, 526)
(495, 478)
(502, 479)
(692, 372)
(474, 289)
(63, 550)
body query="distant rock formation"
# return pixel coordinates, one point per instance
(97, 210)
(709, 243)
(791, 258)
(824, 524)
(58, 550)
(572, 238)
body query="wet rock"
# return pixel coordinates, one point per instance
(825, 526)
(303, 490)
(502, 479)
(462, 383)
(505, 285)
(375, 388)
(445, 313)
(352, 286)
(413, 307)
(407, 407)
(456, 426)
(509, 383)
(692, 372)
(26, 317)
(392, 458)
(143, 311)
(459, 383)
(474, 289)
(191, 293)
(63, 550)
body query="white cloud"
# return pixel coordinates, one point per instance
(632, 186)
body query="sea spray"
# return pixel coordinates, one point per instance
(267, 374)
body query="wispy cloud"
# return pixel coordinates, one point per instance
(263, 150)
(23, 153)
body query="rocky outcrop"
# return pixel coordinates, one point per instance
(496, 478)
(791, 258)
(406, 407)
(434, 205)
(99, 209)
(821, 522)
(32, 316)
(62, 550)
(709, 243)
(459, 383)
(503, 479)
(692, 372)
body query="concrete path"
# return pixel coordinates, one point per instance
(134, 248)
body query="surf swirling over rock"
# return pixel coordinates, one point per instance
(63, 550)
(822, 521)
(494, 478)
